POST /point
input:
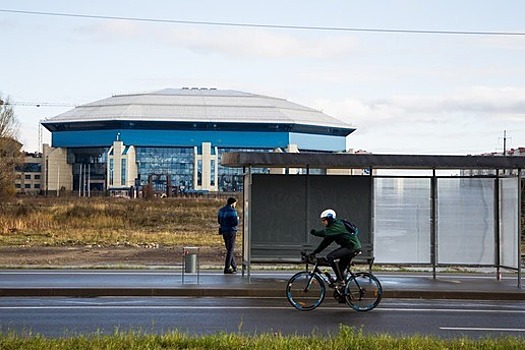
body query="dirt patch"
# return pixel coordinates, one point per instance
(95, 256)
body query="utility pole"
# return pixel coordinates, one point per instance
(504, 143)
(40, 150)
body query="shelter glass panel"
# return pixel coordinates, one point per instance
(466, 221)
(509, 231)
(285, 207)
(402, 220)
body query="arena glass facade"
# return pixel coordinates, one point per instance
(175, 138)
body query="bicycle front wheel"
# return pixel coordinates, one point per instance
(305, 291)
(363, 291)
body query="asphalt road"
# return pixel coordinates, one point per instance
(72, 316)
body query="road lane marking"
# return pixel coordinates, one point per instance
(147, 307)
(476, 329)
(475, 311)
(238, 307)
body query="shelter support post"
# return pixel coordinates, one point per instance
(433, 223)
(247, 224)
(497, 225)
(307, 207)
(520, 213)
(371, 218)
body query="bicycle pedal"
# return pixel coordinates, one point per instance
(339, 285)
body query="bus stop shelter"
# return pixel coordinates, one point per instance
(279, 209)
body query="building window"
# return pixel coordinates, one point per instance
(231, 179)
(174, 162)
(27, 186)
(28, 176)
(199, 172)
(18, 185)
(111, 170)
(123, 173)
(212, 173)
(37, 177)
(30, 168)
(36, 186)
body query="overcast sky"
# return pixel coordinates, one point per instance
(413, 92)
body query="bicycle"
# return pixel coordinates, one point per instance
(306, 290)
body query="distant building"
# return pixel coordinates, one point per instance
(174, 138)
(513, 152)
(28, 177)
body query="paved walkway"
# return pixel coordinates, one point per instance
(159, 282)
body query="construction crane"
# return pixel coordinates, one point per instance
(37, 104)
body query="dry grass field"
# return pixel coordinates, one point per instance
(72, 231)
(112, 231)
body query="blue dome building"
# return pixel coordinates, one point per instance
(175, 137)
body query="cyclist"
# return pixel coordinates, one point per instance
(349, 244)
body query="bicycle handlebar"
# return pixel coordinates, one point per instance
(312, 259)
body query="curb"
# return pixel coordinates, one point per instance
(240, 292)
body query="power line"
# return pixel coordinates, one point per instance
(268, 26)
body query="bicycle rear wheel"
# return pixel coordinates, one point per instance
(305, 291)
(363, 291)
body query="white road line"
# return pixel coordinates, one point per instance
(233, 307)
(475, 329)
(148, 307)
(475, 311)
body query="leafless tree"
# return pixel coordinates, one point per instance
(10, 154)
(8, 122)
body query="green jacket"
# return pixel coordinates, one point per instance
(337, 232)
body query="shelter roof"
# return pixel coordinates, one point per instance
(376, 161)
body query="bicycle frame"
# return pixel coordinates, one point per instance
(306, 289)
(326, 276)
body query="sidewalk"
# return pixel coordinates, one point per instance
(156, 282)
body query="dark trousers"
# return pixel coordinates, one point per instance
(344, 255)
(229, 242)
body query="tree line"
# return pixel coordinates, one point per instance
(10, 148)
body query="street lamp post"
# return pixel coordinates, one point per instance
(58, 180)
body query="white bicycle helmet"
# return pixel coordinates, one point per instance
(328, 213)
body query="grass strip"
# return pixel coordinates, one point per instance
(346, 338)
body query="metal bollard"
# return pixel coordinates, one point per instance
(190, 262)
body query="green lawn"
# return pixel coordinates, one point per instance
(346, 338)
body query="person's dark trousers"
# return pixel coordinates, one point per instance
(229, 242)
(345, 256)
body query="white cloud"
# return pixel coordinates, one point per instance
(245, 42)
(508, 103)
(502, 42)
(463, 121)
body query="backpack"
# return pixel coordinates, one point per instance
(350, 227)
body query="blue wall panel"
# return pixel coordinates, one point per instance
(99, 138)
(184, 138)
(318, 142)
(168, 138)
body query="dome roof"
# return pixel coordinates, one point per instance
(198, 105)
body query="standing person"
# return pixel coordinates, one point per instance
(335, 231)
(228, 221)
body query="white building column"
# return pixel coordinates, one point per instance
(56, 171)
(121, 166)
(207, 165)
